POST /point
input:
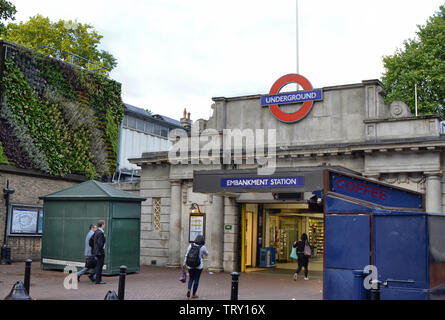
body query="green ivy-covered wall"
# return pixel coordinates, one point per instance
(56, 117)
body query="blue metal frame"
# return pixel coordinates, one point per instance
(348, 197)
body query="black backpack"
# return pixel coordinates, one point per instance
(193, 260)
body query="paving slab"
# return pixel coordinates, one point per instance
(161, 283)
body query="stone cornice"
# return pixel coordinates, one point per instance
(428, 144)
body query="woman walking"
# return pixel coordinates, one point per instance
(194, 262)
(303, 252)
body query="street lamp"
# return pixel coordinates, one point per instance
(6, 252)
(194, 209)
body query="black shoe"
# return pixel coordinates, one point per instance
(101, 282)
(78, 278)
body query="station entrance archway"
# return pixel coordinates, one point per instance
(272, 229)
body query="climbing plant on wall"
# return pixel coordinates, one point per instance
(60, 118)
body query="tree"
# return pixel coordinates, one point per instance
(421, 63)
(7, 12)
(61, 38)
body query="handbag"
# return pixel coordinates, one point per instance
(294, 254)
(91, 263)
(307, 250)
(183, 276)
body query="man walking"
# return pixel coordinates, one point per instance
(99, 250)
(89, 262)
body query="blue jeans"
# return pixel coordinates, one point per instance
(85, 270)
(195, 274)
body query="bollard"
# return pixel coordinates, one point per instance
(235, 282)
(18, 292)
(111, 295)
(375, 293)
(27, 279)
(121, 290)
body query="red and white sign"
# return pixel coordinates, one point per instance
(309, 95)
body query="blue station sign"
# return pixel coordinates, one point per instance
(257, 182)
(292, 97)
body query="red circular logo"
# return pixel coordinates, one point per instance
(304, 110)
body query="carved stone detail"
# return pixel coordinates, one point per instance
(404, 178)
(398, 109)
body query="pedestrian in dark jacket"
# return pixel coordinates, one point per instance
(303, 258)
(99, 250)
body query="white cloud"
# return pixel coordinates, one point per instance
(174, 54)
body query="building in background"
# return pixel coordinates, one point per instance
(142, 132)
(349, 127)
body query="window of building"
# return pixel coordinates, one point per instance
(131, 122)
(25, 221)
(145, 126)
(140, 124)
(164, 132)
(157, 214)
(157, 129)
(148, 127)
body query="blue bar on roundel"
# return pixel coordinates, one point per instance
(292, 97)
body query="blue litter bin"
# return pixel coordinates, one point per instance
(267, 257)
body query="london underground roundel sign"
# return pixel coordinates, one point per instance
(307, 97)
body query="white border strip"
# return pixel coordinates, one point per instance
(67, 263)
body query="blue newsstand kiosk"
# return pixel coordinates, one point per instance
(377, 231)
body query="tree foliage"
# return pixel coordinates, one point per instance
(7, 12)
(421, 62)
(40, 34)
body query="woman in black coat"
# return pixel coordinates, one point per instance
(303, 260)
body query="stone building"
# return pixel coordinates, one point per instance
(350, 127)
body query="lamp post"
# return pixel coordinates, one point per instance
(6, 252)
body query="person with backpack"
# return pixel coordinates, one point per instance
(194, 263)
(304, 253)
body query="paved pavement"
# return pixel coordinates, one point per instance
(160, 283)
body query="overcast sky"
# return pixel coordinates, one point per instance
(173, 53)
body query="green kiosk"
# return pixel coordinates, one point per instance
(68, 215)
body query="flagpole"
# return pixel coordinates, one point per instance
(298, 58)
(415, 93)
(298, 44)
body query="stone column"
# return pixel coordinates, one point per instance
(174, 238)
(216, 221)
(433, 192)
(231, 237)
